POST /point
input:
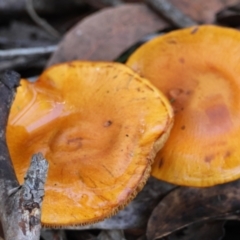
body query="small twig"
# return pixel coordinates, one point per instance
(41, 22)
(171, 13)
(32, 193)
(22, 221)
(27, 51)
(22, 57)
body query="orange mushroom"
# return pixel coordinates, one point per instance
(198, 69)
(99, 125)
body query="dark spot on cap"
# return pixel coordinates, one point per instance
(172, 41)
(188, 92)
(219, 118)
(183, 127)
(126, 135)
(182, 60)
(227, 154)
(161, 161)
(107, 123)
(175, 92)
(209, 158)
(194, 30)
(71, 65)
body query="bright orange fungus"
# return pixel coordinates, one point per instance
(99, 125)
(198, 69)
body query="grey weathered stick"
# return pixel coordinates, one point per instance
(23, 221)
(20, 206)
(171, 13)
(12, 53)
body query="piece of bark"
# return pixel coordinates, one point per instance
(185, 206)
(107, 33)
(20, 206)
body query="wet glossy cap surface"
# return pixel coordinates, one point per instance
(99, 125)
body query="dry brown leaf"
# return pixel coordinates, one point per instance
(107, 33)
(185, 206)
(202, 11)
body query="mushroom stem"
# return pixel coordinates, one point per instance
(20, 205)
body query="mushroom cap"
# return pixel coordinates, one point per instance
(99, 125)
(198, 69)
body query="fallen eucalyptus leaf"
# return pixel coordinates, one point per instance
(107, 33)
